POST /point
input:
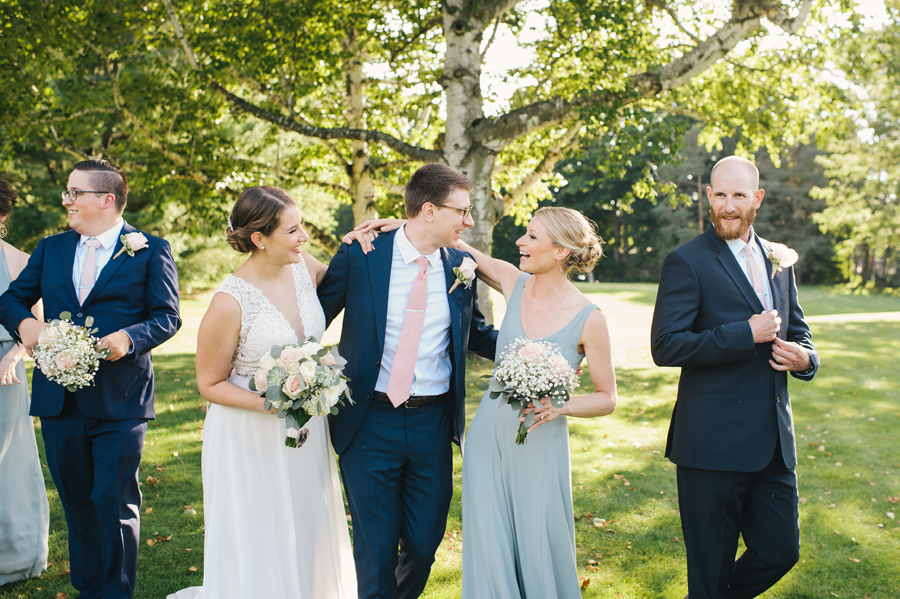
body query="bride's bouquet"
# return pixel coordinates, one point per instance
(67, 353)
(527, 371)
(301, 382)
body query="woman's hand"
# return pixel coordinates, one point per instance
(8, 370)
(546, 413)
(366, 232)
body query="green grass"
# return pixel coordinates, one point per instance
(628, 530)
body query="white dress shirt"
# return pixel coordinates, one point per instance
(433, 368)
(737, 248)
(108, 239)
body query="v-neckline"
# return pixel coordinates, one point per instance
(275, 308)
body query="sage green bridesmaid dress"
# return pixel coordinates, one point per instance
(518, 526)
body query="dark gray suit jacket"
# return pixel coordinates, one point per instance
(732, 406)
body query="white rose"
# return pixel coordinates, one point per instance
(309, 349)
(260, 379)
(308, 372)
(267, 362)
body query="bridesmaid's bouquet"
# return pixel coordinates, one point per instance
(67, 353)
(301, 381)
(527, 371)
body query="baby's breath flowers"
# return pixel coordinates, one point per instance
(67, 353)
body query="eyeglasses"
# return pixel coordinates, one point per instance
(72, 194)
(463, 212)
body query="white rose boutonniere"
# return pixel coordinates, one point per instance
(781, 256)
(464, 273)
(131, 243)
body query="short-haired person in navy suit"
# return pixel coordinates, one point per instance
(732, 431)
(94, 437)
(396, 462)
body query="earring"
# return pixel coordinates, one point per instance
(262, 247)
(3, 230)
(559, 264)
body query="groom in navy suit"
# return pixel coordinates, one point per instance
(729, 317)
(395, 443)
(94, 437)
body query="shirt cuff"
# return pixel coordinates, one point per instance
(131, 349)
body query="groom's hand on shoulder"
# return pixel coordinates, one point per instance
(118, 344)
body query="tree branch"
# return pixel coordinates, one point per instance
(60, 119)
(555, 152)
(674, 17)
(321, 238)
(290, 124)
(497, 131)
(491, 39)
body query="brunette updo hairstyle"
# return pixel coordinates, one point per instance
(8, 197)
(574, 231)
(257, 209)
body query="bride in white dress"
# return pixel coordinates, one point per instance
(274, 516)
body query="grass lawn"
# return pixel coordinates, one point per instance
(628, 530)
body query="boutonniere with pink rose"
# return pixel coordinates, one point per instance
(464, 273)
(781, 256)
(131, 243)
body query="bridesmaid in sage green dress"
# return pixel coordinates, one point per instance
(518, 528)
(24, 511)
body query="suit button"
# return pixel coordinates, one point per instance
(377, 362)
(778, 399)
(79, 315)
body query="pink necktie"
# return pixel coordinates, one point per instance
(89, 269)
(757, 279)
(408, 347)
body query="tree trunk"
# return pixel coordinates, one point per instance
(362, 187)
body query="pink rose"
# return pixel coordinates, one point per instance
(131, 243)
(261, 381)
(47, 336)
(531, 352)
(467, 268)
(328, 360)
(559, 366)
(65, 361)
(781, 256)
(289, 357)
(293, 386)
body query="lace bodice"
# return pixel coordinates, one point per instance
(263, 326)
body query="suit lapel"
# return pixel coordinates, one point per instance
(379, 262)
(68, 259)
(111, 266)
(731, 266)
(456, 314)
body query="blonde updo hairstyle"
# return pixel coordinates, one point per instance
(257, 209)
(574, 231)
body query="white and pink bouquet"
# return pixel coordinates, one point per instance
(527, 371)
(301, 382)
(67, 353)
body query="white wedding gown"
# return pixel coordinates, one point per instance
(274, 515)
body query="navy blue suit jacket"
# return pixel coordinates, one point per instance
(136, 294)
(732, 406)
(358, 283)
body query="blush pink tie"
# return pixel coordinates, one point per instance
(400, 382)
(757, 278)
(88, 269)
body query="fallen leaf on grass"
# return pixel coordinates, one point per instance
(890, 515)
(152, 480)
(193, 568)
(585, 583)
(148, 510)
(853, 559)
(893, 499)
(62, 596)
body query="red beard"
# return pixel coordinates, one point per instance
(728, 231)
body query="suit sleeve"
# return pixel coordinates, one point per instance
(674, 336)
(23, 293)
(482, 336)
(798, 332)
(163, 319)
(332, 291)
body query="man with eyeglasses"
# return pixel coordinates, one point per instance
(94, 436)
(405, 339)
